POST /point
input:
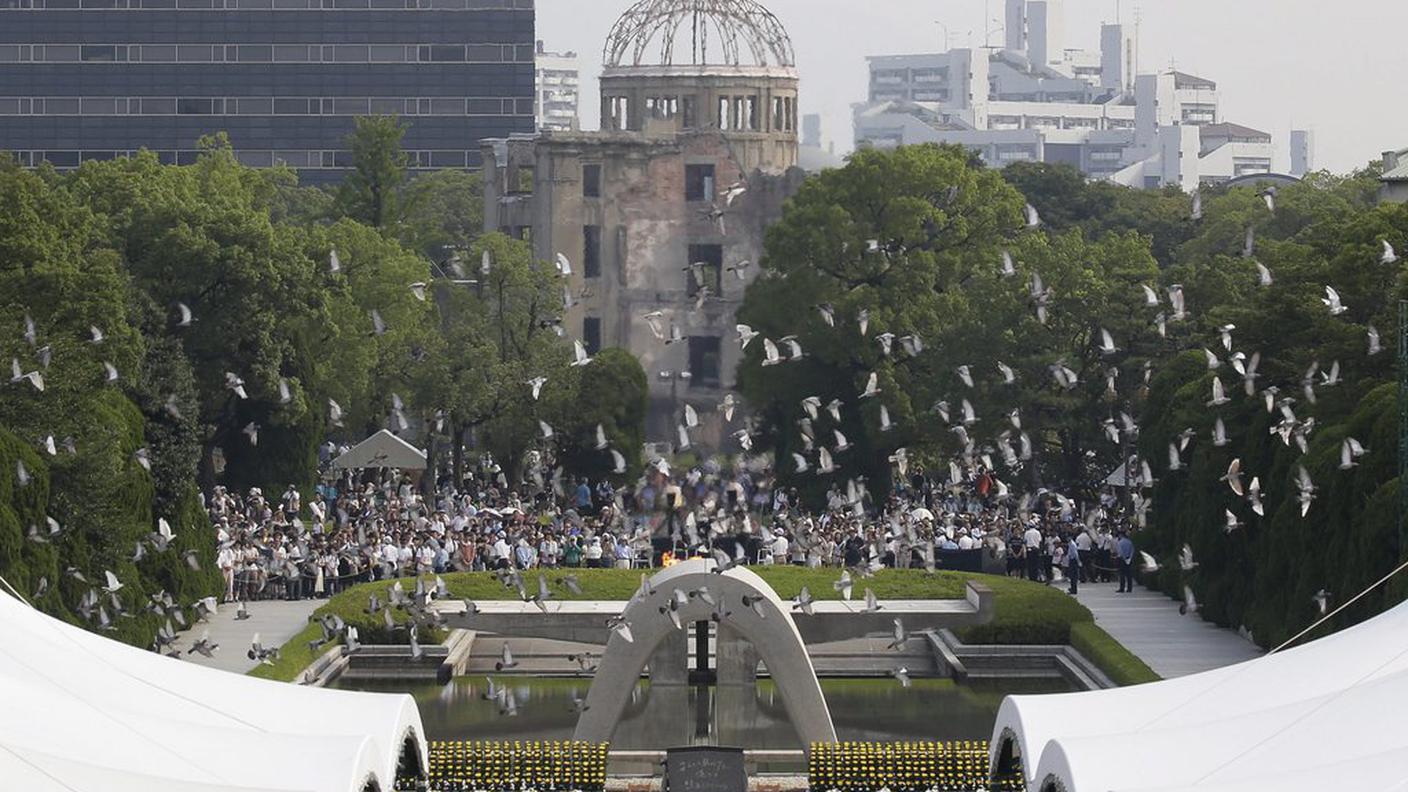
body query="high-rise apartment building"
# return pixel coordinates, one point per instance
(97, 79)
(1039, 101)
(558, 83)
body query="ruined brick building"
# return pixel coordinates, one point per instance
(662, 212)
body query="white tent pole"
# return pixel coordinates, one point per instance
(1332, 613)
(18, 595)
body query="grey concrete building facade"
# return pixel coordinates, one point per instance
(97, 79)
(662, 212)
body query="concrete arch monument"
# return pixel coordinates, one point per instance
(770, 630)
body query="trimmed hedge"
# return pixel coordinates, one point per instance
(1122, 666)
(1027, 613)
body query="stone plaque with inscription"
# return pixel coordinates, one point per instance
(705, 769)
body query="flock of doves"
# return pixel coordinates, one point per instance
(1291, 429)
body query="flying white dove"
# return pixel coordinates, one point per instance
(579, 354)
(1332, 301)
(872, 386)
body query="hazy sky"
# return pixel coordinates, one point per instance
(1338, 68)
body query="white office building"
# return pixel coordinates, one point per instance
(1036, 100)
(558, 80)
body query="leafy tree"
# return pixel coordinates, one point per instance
(56, 269)
(1262, 577)
(915, 238)
(197, 236)
(495, 337)
(1067, 200)
(444, 210)
(374, 191)
(614, 394)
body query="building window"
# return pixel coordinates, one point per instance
(521, 180)
(591, 334)
(706, 267)
(591, 181)
(699, 182)
(705, 361)
(591, 251)
(690, 116)
(722, 121)
(619, 111)
(102, 52)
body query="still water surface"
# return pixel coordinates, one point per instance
(664, 717)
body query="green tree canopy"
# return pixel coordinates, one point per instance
(374, 192)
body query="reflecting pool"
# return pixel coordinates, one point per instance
(752, 717)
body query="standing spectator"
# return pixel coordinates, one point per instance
(226, 561)
(1073, 566)
(1031, 543)
(593, 553)
(779, 550)
(1125, 550)
(501, 554)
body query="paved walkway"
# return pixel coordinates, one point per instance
(276, 621)
(1149, 625)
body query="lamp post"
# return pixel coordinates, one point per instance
(675, 378)
(946, 33)
(987, 36)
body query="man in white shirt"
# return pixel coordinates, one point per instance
(779, 550)
(500, 552)
(1084, 545)
(1032, 542)
(226, 561)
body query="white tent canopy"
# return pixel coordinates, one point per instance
(1298, 709)
(81, 707)
(382, 450)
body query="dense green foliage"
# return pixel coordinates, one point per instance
(1264, 577)
(374, 192)
(916, 238)
(613, 393)
(297, 301)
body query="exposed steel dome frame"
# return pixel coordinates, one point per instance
(718, 32)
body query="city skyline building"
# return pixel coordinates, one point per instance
(557, 79)
(1036, 100)
(285, 79)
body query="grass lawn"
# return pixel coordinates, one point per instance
(1027, 613)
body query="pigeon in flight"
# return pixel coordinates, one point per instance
(804, 602)
(1332, 301)
(872, 387)
(579, 354)
(1233, 477)
(1033, 219)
